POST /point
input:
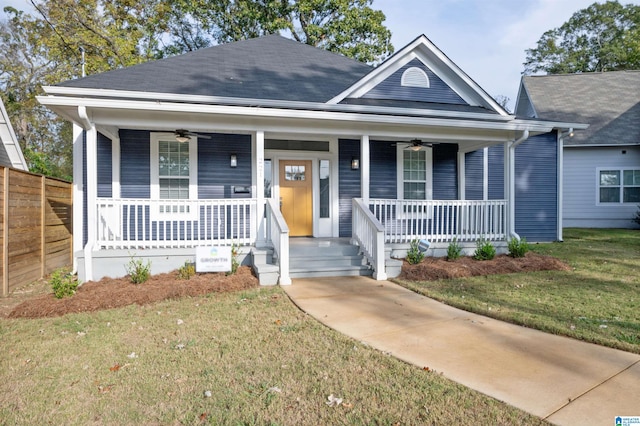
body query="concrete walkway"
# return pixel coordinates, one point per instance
(562, 380)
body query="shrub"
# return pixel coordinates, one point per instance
(414, 255)
(186, 271)
(484, 250)
(138, 271)
(234, 260)
(518, 248)
(63, 283)
(454, 250)
(636, 219)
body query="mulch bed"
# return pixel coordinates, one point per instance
(432, 268)
(111, 293)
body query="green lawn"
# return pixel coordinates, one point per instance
(598, 301)
(238, 358)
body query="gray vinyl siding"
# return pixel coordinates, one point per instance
(445, 171)
(383, 170)
(580, 187)
(4, 157)
(216, 179)
(105, 181)
(474, 175)
(349, 182)
(536, 188)
(135, 157)
(496, 172)
(438, 90)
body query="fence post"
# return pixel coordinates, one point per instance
(5, 234)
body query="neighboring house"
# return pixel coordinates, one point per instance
(602, 163)
(10, 152)
(257, 141)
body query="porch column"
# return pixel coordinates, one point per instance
(258, 185)
(364, 168)
(462, 185)
(78, 189)
(91, 192)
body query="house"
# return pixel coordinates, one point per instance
(10, 152)
(601, 164)
(262, 142)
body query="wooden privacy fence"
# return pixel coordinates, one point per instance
(35, 227)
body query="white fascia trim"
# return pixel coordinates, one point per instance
(601, 145)
(52, 91)
(513, 125)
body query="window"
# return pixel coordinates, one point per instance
(268, 173)
(619, 186)
(324, 188)
(415, 77)
(414, 174)
(173, 172)
(295, 173)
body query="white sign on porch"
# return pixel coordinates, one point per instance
(213, 259)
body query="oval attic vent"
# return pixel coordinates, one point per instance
(415, 77)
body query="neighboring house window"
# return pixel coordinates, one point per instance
(415, 77)
(414, 174)
(619, 186)
(173, 171)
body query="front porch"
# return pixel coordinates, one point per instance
(167, 232)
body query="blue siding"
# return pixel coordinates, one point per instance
(474, 176)
(496, 172)
(536, 188)
(216, 178)
(445, 171)
(438, 91)
(383, 170)
(104, 167)
(349, 182)
(135, 178)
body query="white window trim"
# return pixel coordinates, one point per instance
(621, 186)
(400, 172)
(155, 175)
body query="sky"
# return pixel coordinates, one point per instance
(487, 39)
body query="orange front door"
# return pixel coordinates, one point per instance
(296, 200)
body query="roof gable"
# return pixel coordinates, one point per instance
(609, 102)
(436, 90)
(270, 67)
(434, 61)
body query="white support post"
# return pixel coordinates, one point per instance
(462, 176)
(257, 158)
(485, 174)
(91, 192)
(507, 187)
(78, 191)
(364, 168)
(560, 179)
(115, 167)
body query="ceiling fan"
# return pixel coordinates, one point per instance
(183, 135)
(416, 144)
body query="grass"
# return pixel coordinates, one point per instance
(598, 301)
(259, 358)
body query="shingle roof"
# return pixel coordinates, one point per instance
(609, 102)
(270, 67)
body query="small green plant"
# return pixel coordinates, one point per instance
(234, 259)
(484, 250)
(414, 255)
(454, 250)
(518, 248)
(138, 270)
(636, 219)
(186, 271)
(63, 283)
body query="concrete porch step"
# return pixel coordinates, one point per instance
(328, 271)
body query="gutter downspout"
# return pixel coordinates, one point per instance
(512, 184)
(89, 190)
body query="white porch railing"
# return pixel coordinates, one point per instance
(278, 234)
(369, 234)
(142, 224)
(440, 220)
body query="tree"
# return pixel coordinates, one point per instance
(602, 37)
(348, 27)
